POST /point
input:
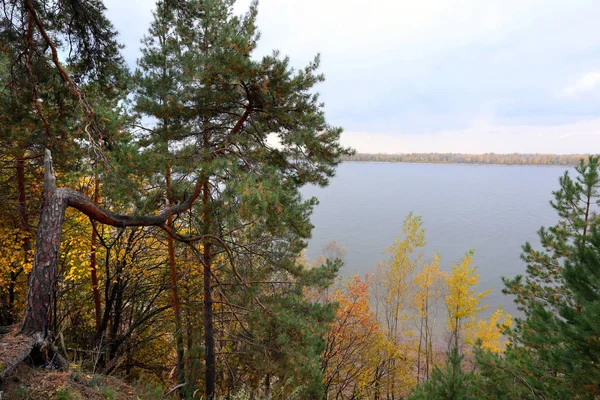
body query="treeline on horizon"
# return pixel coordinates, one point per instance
(150, 232)
(464, 158)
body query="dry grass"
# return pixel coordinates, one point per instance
(27, 383)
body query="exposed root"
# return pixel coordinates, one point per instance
(16, 348)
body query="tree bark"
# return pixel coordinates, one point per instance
(175, 295)
(22, 207)
(93, 265)
(209, 338)
(42, 280)
(8, 318)
(40, 295)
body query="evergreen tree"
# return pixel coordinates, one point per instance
(448, 383)
(560, 295)
(245, 216)
(220, 108)
(159, 90)
(576, 204)
(515, 374)
(59, 52)
(46, 100)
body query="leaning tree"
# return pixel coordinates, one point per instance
(226, 118)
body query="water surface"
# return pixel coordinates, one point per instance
(491, 209)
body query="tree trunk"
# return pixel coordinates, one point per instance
(209, 339)
(377, 382)
(268, 386)
(42, 280)
(175, 297)
(93, 265)
(8, 317)
(22, 207)
(113, 341)
(40, 295)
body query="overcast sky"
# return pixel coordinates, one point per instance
(468, 76)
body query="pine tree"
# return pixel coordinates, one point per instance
(514, 374)
(59, 91)
(576, 205)
(561, 292)
(240, 194)
(158, 85)
(449, 383)
(220, 107)
(67, 104)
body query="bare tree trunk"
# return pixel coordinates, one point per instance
(209, 339)
(268, 386)
(93, 265)
(175, 297)
(22, 207)
(42, 280)
(427, 337)
(419, 352)
(113, 339)
(8, 318)
(377, 382)
(40, 295)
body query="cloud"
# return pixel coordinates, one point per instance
(586, 84)
(132, 20)
(431, 71)
(485, 136)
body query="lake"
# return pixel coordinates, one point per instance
(491, 209)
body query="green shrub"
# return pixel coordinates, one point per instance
(109, 393)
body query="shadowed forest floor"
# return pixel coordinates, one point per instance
(27, 383)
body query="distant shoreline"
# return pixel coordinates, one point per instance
(457, 164)
(538, 160)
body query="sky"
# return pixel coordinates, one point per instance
(462, 76)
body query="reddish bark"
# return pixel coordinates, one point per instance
(7, 318)
(93, 265)
(22, 207)
(40, 296)
(42, 280)
(175, 295)
(209, 337)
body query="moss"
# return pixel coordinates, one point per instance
(109, 393)
(2, 366)
(95, 380)
(21, 393)
(65, 394)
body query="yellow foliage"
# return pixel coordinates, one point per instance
(428, 285)
(76, 246)
(462, 301)
(15, 264)
(489, 331)
(397, 277)
(429, 290)
(12, 255)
